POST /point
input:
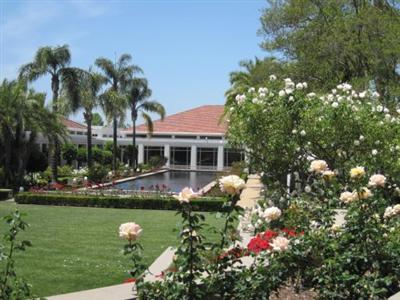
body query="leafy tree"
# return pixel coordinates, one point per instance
(138, 93)
(113, 101)
(335, 41)
(69, 152)
(81, 156)
(37, 161)
(91, 85)
(54, 61)
(97, 120)
(254, 74)
(22, 110)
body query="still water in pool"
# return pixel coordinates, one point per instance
(173, 181)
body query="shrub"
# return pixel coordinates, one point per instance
(160, 202)
(5, 194)
(97, 173)
(69, 152)
(157, 161)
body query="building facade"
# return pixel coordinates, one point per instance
(193, 139)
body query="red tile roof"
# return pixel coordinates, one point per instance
(72, 124)
(203, 119)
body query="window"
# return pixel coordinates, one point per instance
(180, 156)
(231, 156)
(207, 156)
(203, 137)
(150, 152)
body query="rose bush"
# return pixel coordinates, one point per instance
(283, 124)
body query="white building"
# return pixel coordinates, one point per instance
(192, 139)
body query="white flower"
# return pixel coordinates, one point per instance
(130, 231)
(379, 108)
(299, 86)
(307, 189)
(288, 91)
(280, 243)
(302, 133)
(335, 104)
(318, 166)
(374, 152)
(272, 214)
(305, 85)
(294, 131)
(362, 94)
(272, 77)
(377, 180)
(291, 98)
(281, 93)
(311, 95)
(347, 197)
(361, 138)
(357, 172)
(328, 175)
(357, 142)
(251, 90)
(186, 195)
(389, 212)
(231, 184)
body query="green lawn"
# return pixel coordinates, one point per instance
(76, 248)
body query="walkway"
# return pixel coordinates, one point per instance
(252, 193)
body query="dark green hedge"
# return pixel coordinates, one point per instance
(203, 204)
(5, 194)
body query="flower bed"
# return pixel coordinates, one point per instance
(158, 202)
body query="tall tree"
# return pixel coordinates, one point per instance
(138, 94)
(113, 100)
(54, 61)
(253, 74)
(334, 41)
(23, 115)
(91, 86)
(97, 120)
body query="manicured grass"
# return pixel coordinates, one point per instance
(76, 248)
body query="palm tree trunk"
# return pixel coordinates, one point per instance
(88, 118)
(55, 154)
(115, 145)
(134, 156)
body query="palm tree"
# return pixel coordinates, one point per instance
(54, 61)
(113, 101)
(138, 93)
(22, 116)
(91, 85)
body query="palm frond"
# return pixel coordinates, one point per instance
(107, 67)
(149, 122)
(71, 81)
(154, 107)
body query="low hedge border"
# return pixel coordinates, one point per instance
(202, 204)
(5, 194)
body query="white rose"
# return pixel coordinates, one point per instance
(231, 184)
(272, 214)
(302, 133)
(377, 180)
(281, 93)
(374, 152)
(347, 197)
(186, 195)
(335, 104)
(299, 86)
(318, 166)
(280, 243)
(130, 231)
(272, 77)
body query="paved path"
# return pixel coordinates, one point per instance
(252, 193)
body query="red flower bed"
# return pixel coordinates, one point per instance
(262, 241)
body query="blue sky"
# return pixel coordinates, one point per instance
(186, 48)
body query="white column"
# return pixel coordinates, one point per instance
(193, 157)
(220, 161)
(167, 155)
(140, 153)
